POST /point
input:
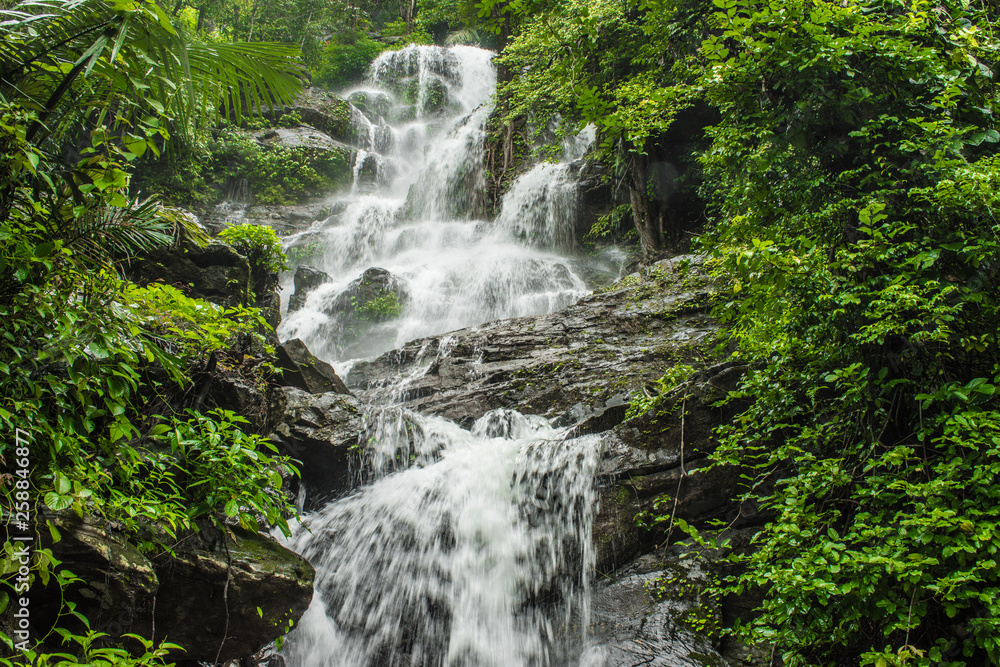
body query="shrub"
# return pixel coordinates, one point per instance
(345, 60)
(262, 247)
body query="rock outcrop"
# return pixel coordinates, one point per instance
(375, 297)
(568, 365)
(657, 464)
(300, 368)
(205, 597)
(320, 431)
(305, 280)
(213, 271)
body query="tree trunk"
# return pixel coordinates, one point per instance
(646, 214)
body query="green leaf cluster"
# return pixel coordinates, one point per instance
(851, 168)
(100, 380)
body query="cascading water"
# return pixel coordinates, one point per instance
(415, 210)
(475, 555)
(461, 548)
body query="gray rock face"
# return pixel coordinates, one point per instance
(303, 136)
(202, 597)
(320, 431)
(662, 454)
(655, 614)
(375, 297)
(306, 279)
(301, 369)
(208, 598)
(568, 365)
(214, 272)
(327, 113)
(117, 582)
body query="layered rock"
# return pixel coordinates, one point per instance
(375, 297)
(568, 365)
(306, 279)
(213, 271)
(300, 368)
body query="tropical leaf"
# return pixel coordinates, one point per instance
(82, 61)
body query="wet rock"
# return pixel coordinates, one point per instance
(117, 582)
(208, 598)
(301, 369)
(321, 431)
(306, 279)
(374, 298)
(284, 219)
(269, 303)
(657, 463)
(373, 104)
(304, 136)
(201, 596)
(327, 113)
(566, 365)
(213, 271)
(374, 171)
(243, 391)
(656, 613)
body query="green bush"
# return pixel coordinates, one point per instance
(262, 247)
(345, 60)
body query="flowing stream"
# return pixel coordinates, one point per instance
(460, 548)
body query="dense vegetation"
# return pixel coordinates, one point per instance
(841, 159)
(100, 412)
(849, 167)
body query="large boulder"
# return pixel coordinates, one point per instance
(328, 113)
(116, 583)
(303, 136)
(213, 271)
(657, 464)
(656, 613)
(209, 598)
(377, 296)
(306, 279)
(569, 365)
(203, 595)
(323, 432)
(300, 368)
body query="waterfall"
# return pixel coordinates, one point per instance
(460, 548)
(416, 208)
(475, 554)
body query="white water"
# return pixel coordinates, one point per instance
(475, 555)
(417, 205)
(461, 548)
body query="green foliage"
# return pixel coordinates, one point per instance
(262, 247)
(416, 34)
(88, 359)
(862, 288)
(852, 172)
(550, 74)
(345, 60)
(274, 174)
(100, 62)
(258, 244)
(671, 380)
(383, 306)
(610, 227)
(443, 17)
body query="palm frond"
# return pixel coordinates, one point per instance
(107, 235)
(132, 62)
